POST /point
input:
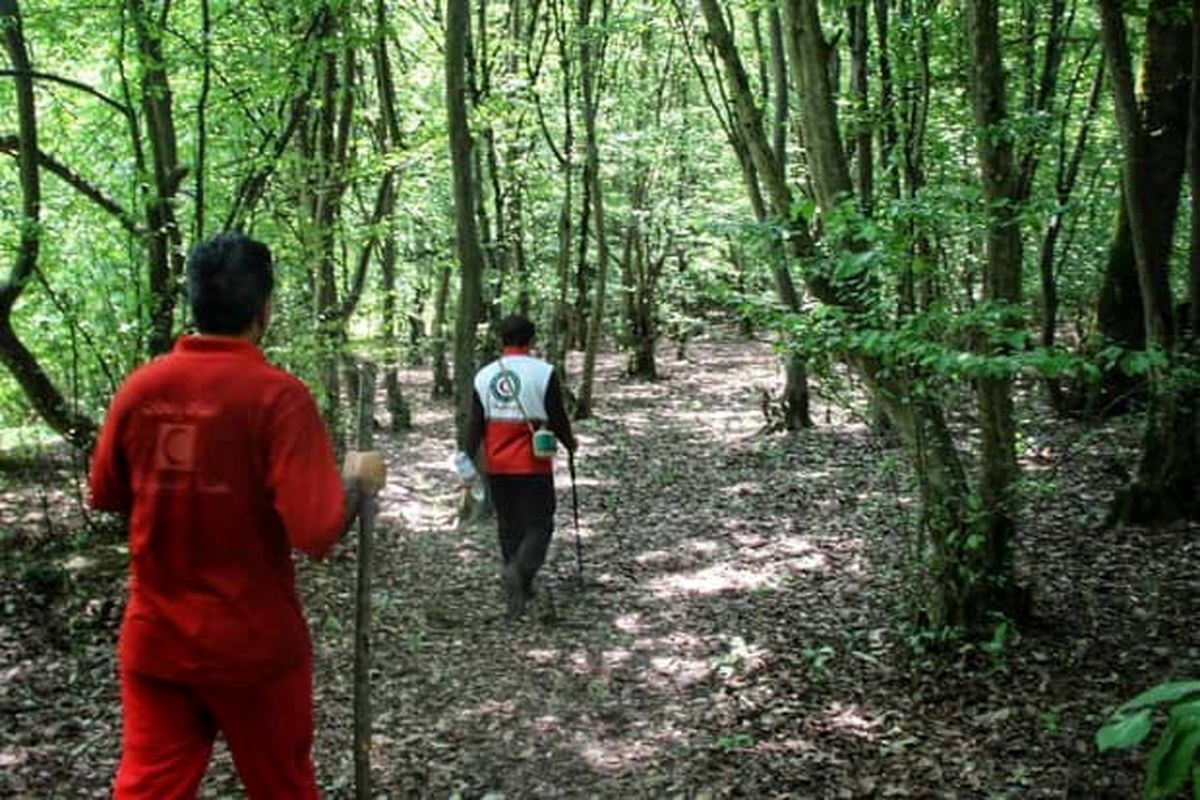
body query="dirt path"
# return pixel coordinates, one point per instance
(735, 635)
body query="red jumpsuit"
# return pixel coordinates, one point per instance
(223, 465)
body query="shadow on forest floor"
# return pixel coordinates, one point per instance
(738, 632)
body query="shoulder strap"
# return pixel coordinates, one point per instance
(517, 395)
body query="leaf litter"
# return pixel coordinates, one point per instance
(738, 632)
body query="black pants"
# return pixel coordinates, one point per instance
(525, 520)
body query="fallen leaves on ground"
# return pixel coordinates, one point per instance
(737, 631)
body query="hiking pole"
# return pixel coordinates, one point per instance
(575, 512)
(362, 599)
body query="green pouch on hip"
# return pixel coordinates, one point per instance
(545, 445)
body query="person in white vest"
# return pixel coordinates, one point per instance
(517, 400)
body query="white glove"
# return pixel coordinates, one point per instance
(465, 467)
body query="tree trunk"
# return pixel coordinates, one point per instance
(1002, 288)
(797, 414)
(398, 410)
(397, 406)
(958, 596)
(561, 327)
(588, 73)
(470, 254)
(24, 367)
(443, 386)
(864, 166)
(1166, 482)
(888, 135)
(1135, 300)
(1066, 178)
(165, 245)
(808, 58)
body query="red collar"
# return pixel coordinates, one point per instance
(206, 344)
(515, 351)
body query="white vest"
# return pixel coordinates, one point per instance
(502, 382)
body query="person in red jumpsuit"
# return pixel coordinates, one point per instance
(223, 465)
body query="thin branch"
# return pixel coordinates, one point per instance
(74, 84)
(11, 144)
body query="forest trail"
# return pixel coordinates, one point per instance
(738, 633)
(642, 683)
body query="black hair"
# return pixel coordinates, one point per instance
(229, 279)
(516, 331)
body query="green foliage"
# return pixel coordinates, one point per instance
(1175, 759)
(818, 660)
(734, 741)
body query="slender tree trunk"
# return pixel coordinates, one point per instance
(202, 119)
(390, 134)
(443, 386)
(165, 247)
(864, 166)
(470, 253)
(797, 413)
(887, 98)
(24, 367)
(1066, 179)
(561, 331)
(589, 73)
(1002, 287)
(1193, 160)
(397, 406)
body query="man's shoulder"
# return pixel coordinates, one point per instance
(281, 385)
(488, 368)
(532, 362)
(261, 378)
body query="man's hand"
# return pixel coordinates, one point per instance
(367, 469)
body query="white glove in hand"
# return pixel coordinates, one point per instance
(465, 467)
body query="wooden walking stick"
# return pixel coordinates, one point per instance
(362, 598)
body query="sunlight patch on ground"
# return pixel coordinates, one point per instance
(682, 660)
(489, 708)
(713, 580)
(679, 558)
(791, 746)
(546, 724)
(740, 660)
(542, 656)
(703, 547)
(734, 424)
(467, 554)
(851, 719)
(631, 623)
(636, 422)
(608, 755)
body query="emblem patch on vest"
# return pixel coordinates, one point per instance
(505, 387)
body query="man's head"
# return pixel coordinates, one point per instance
(516, 331)
(229, 283)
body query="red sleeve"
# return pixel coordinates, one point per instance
(109, 480)
(302, 474)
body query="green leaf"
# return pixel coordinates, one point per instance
(1170, 762)
(1124, 732)
(1185, 712)
(1162, 693)
(1179, 763)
